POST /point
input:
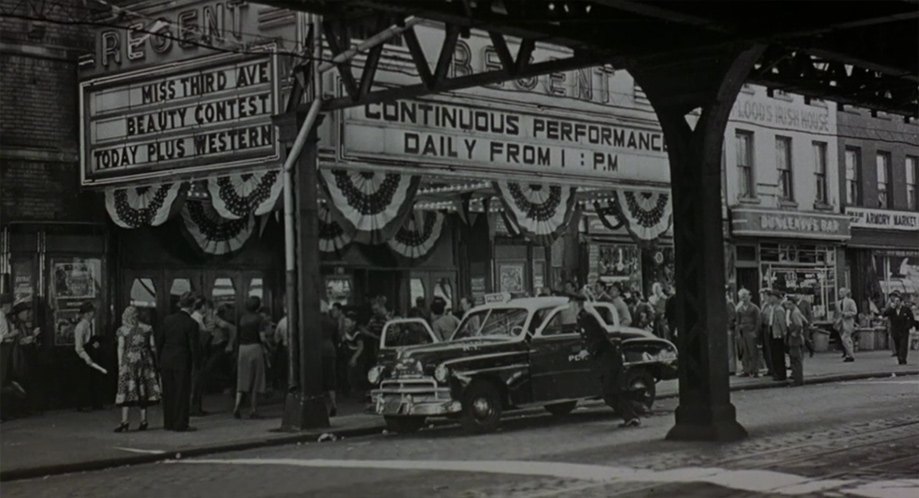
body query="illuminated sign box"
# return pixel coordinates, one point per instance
(199, 116)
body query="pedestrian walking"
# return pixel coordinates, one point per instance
(607, 360)
(178, 348)
(845, 323)
(88, 346)
(777, 327)
(794, 340)
(353, 349)
(138, 382)
(807, 311)
(250, 365)
(901, 320)
(748, 323)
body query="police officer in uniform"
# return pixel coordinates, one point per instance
(607, 359)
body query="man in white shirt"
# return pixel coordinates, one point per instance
(88, 347)
(443, 323)
(8, 335)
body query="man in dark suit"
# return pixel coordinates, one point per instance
(178, 348)
(901, 320)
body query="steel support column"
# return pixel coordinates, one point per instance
(705, 411)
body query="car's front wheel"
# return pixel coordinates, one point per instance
(481, 408)
(403, 424)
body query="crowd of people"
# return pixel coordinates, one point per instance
(200, 349)
(785, 326)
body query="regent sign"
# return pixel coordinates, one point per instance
(883, 220)
(456, 133)
(205, 115)
(764, 222)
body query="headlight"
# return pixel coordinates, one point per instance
(442, 373)
(373, 376)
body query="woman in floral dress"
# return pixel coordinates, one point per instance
(138, 384)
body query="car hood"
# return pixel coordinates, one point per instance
(430, 354)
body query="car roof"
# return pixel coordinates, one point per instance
(528, 303)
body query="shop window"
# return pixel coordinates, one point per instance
(784, 167)
(74, 281)
(883, 170)
(338, 289)
(223, 295)
(417, 290)
(143, 297)
(853, 177)
(257, 288)
(444, 289)
(178, 287)
(224, 291)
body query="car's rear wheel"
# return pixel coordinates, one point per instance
(403, 424)
(560, 409)
(641, 390)
(481, 408)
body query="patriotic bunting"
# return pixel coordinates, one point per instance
(236, 196)
(134, 207)
(332, 236)
(418, 235)
(373, 204)
(213, 234)
(647, 214)
(540, 212)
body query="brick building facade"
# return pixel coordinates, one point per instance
(54, 251)
(879, 171)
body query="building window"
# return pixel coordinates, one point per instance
(853, 177)
(783, 164)
(745, 164)
(912, 172)
(883, 167)
(820, 171)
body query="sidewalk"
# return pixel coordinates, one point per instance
(68, 441)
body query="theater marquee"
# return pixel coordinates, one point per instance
(203, 115)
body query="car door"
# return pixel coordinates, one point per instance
(556, 370)
(404, 332)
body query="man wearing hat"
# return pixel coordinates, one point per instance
(88, 346)
(845, 324)
(901, 320)
(776, 329)
(8, 337)
(607, 359)
(794, 339)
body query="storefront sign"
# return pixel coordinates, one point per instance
(202, 115)
(762, 110)
(456, 134)
(884, 220)
(157, 33)
(769, 223)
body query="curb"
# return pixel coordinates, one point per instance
(824, 379)
(68, 468)
(49, 470)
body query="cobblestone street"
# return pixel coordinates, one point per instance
(857, 438)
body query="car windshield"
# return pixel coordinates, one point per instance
(406, 334)
(493, 323)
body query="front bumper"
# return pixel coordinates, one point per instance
(418, 397)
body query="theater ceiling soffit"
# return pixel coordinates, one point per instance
(856, 53)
